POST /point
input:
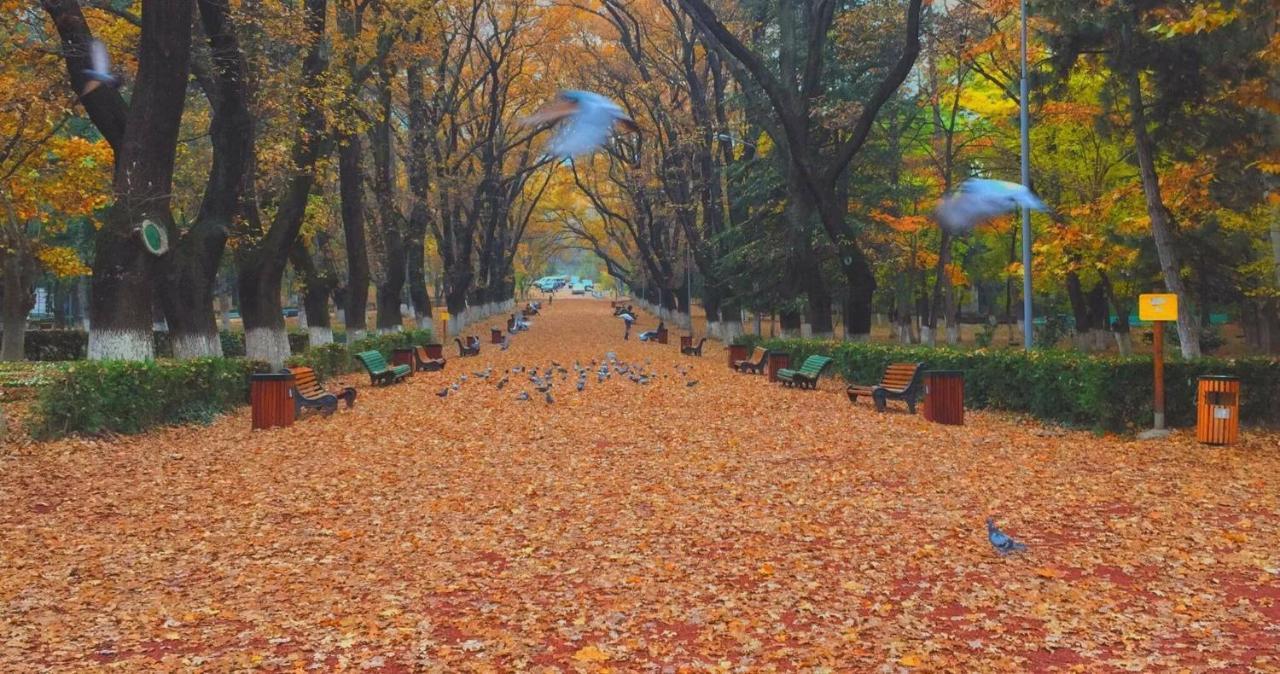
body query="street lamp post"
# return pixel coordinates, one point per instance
(1026, 181)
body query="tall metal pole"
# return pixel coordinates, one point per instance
(1026, 180)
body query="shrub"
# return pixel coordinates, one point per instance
(1107, 393)
(130, 397)
(298, 342)
(232, 344)
(327, 360)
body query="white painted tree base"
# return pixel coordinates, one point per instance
(269, 345)
(197, 346)
(121, 345)
(426, 323)
(319, 336)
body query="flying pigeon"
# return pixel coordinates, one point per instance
(978, 200)
(1002, 542)
(99, 72)
(589, 119)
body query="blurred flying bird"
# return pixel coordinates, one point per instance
(99, 71)
(588, 120)
(978, 200)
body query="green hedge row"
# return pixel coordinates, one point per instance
(61, 345)
(129, 397)
(1107, 393)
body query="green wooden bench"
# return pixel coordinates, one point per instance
(807, 375)
(380, 373)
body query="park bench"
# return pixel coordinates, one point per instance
(380, 373)
(307, 392)
(755, 363)
(694, 350)
(808, 374)
(471, 348)
(425, 363)
(901, 381)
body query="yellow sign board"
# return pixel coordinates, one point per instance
(444, 315)
(1158, 307)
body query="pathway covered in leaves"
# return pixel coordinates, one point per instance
(728, 526)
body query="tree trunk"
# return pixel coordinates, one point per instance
(1162, 224)
(189, 272)
(261, 266)
(18, 300)
(351, 188)
(419, 214)
(391, 283)
(123, 271)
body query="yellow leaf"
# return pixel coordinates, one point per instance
(910, 660)
(1047, 572)
(766, 569)
(590, 654)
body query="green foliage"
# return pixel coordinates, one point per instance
(1107, 393)
(327, 360)
(130, 397)
(232, 344)
(386, 343)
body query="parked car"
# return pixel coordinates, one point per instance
(291, 312)
(579, 289)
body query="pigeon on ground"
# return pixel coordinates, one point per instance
(99, 70)
(502, 382)
(454, 386)
(581, 384)
(1002, 542)
(692, 383)
(444, 392)
(524, 395)
(589, 119)
(549, 398)
(978, 200)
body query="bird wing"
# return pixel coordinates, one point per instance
(552, 112)
(98, 57)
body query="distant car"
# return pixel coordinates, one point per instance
(291, 312)
(579, 289)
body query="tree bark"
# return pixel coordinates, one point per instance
(261, 266)
(391, 283)
(189, 271)
(1162, 222)
(419, 214)
(18, 299)
(351, 188)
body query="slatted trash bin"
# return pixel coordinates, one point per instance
(777, 361)
(686, 342)
(495, 335)
(404, 357)
(1218, 409)
(662, 336)
(944, 397)
(737, 352)
(271, 399)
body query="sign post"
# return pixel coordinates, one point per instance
(1158, 308)
(444, 325)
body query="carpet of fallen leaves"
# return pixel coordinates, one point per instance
(732, 525)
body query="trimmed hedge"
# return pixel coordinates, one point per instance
(1107, 393)
(130, 397)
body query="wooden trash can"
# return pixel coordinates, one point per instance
(686, 342)
(944, 397)
(777, 361)
(737, 352)
(1218, 409)
(271, 399)
(435, 351)
(404, 357)
(662, 336)
(495, 335)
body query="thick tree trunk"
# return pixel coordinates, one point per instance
(123, 271)
(351, 188)
(419, 214)
(189, 272)
(1162, 224)
(317, 285)
(261, 266)
(18, 300)
(391, 283)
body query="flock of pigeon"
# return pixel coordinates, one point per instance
(541, 380)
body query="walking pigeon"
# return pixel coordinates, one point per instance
(444, 392)
(1002, 542)
(549, 398)
(524, 395)
(692, 383)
